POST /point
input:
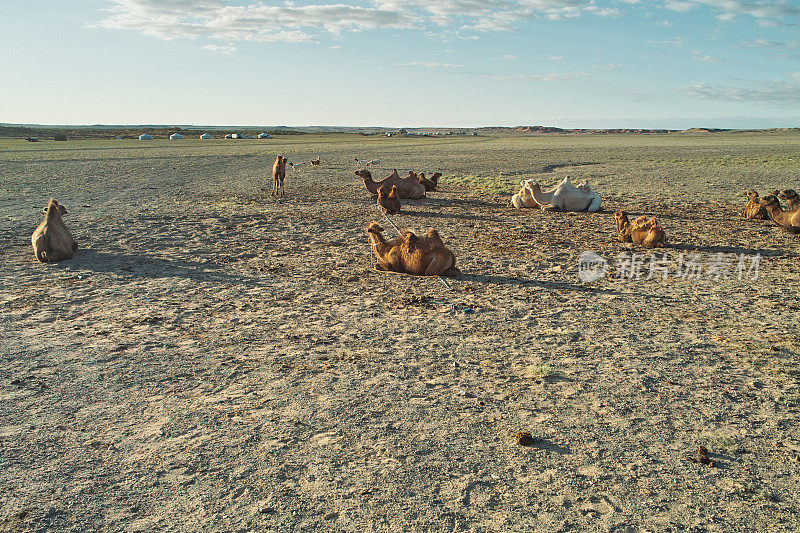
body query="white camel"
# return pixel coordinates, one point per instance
(564, 197)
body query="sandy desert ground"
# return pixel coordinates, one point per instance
(215, 359)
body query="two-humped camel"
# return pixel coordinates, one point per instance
(789, 220)
(406, 187)
(52, 240)
(643, 230)
(563, 197)
(412, 254)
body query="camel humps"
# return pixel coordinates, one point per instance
(406, 187)
(643, 230)
(388, 199)
(412, 254)
(788, 220)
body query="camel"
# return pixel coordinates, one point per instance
(788, 220)
(644, 230)
(566, 197)
(278, 175)
(406, 187)
(316, 162)
(524, 198)
(388, 199)
(791, 197)
(753, 210)
(52, 240)
(429, 184)
(411, 254)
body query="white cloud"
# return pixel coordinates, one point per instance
(542, 77)
(506, 57)
(429, 64)
(701, 58)
(779, 93)
(664, 24)
(227, 50)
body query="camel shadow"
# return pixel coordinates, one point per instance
(733, 250)
(435, 214)
(550, 446)
(144, 266)
(490, 279)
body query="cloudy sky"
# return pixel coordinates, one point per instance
(568, 63)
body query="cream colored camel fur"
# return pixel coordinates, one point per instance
(52, 240)
(524, 198)
(565, 197)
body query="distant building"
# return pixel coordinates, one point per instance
(145, 137)
(206, 136)
(264, 136)
(175, 136)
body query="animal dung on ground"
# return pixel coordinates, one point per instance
(524, 438)
(52, 240)
(316, 162)
(702, 457)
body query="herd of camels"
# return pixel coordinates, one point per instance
(427, 255)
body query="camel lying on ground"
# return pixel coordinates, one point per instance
(432, 183)
(644, 230)
(753, 210)
(524, 198)
(565, 197)
(52, 240)
(406, 187)
(411, 254)
(788, 220)
(388, 199)
(278, 175)
(791, 197)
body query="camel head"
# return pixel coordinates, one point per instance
(383, 191)
(770, 201)
(621, 217)
(393, 192)
(753, 196)
(53, 209)
(364, 174)
(375, 228)
(436, 176)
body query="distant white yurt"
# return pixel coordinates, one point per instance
(175, 136)
(229, 136)
(264, 136)
(206, 136)
(145, 137)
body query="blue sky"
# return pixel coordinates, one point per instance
(567, 63)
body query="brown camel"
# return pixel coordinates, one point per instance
(406, 187)
(788, 220)
(752, 209)
(644, 230)
(411, 254)
(52, 240)
(388, 199)
(429, 184)
(791, 197)
(278, 175)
